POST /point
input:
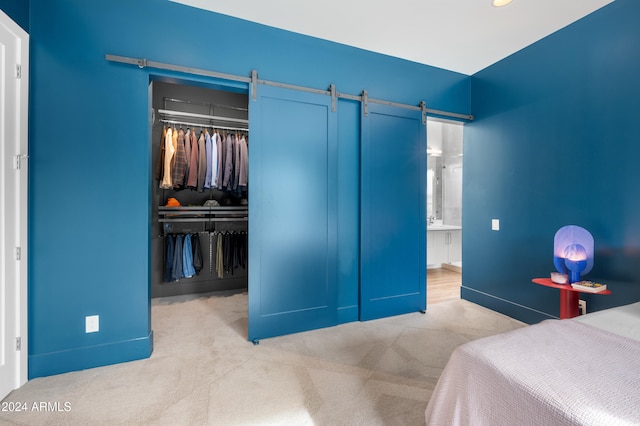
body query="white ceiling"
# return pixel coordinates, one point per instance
(458, 35)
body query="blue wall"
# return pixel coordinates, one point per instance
(18, 10)
(90, 160)
(555, 142)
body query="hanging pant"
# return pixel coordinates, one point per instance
(170, 243)
(219, 257)
(177, 272)
(197, 253)
(187, 258)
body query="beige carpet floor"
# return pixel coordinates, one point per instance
(203, 371)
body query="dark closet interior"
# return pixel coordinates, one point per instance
(206, 225)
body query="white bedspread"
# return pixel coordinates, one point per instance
(557, 372)
(622, 320)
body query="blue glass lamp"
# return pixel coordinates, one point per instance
(573, 251)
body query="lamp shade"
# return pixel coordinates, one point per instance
(573, 251)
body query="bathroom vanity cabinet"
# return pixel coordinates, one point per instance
(444, 245)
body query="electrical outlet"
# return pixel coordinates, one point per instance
(495, 224)
(92, 324)
(583, 306)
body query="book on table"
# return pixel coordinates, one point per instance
(590, 286)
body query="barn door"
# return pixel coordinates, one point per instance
(292, 212)
(393, 211)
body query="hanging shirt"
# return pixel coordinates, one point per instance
(214, 160)
(180, 164)
(174, 142)
(192, 179)
(160, 163)
(227, 182)
(236, 164)
(221, 152)
(202, 162)
(187, 153)
(243, 172)
(208, 150)
(175, 139)
(168, 157)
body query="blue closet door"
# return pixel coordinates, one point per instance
(393, 212)
(292, 212)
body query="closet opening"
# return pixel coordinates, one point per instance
(444, 209)
(199, 189)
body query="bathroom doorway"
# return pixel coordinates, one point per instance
(444, 209)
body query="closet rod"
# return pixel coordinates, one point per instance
(184, 101)
(201, 116)
(243, 129)
(142, 63)
(212, 209)
(205, 220)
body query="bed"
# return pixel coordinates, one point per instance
(581, 371)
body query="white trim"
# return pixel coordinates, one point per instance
(21, 201)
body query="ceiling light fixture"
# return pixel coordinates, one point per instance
(500, 3)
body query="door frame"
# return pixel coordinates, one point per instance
(182, 79)
(16, 119)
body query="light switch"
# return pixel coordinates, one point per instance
(495, 224)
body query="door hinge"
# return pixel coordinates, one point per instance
(18, 343)
(18, 71)
(18, 253)
(17, 160)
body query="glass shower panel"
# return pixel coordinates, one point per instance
(452, 174)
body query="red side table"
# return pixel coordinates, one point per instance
(568, 296)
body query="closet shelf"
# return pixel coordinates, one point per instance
(190, 115)
(203, 214)
(202, 120)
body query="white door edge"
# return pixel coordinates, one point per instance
(16, 125)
